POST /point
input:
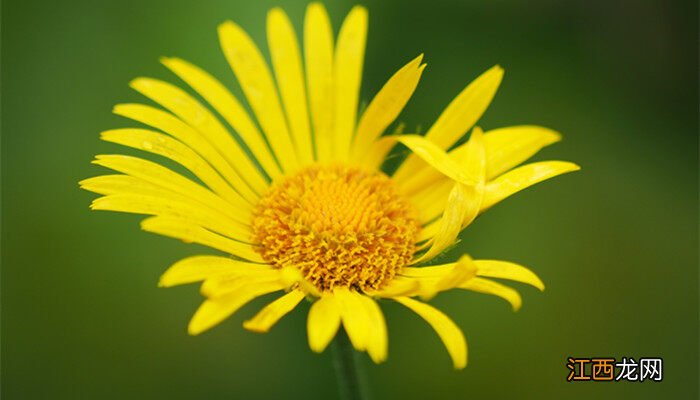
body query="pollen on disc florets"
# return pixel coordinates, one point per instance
(340, 226)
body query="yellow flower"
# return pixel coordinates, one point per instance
(296, 197)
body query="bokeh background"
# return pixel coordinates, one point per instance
(616, 243)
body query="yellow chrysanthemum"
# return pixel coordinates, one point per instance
(296, 197)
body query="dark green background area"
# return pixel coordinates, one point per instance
(616, 243)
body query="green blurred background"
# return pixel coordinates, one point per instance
(616, 243)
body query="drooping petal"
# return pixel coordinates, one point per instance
(385, 107)
(198, 116)
(176, 128)
(215, 310)
(462, 113)
(355, 320)
(191, 233)
(505, 148)
(435, 157)
(522, 178)
(347, 77)
(199, 268)
(255, 78)
(318, 58)
(323, 322)
(464, 202)
(508, 270)
(273, 312)
(488, 286)
(460, 202)
(224, 102)
(286, 62)
(439, 278)
(378, 339)
(451, 336)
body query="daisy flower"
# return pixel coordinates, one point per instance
(294, 196)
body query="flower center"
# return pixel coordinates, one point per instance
(340, 226)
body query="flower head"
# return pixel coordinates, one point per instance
(295, 197)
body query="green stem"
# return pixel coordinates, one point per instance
(352, 383)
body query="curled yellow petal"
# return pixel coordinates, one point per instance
(450, 334)
(459, 116)
(488, 286)
(464, 202)
(508, 270)
(434, 156)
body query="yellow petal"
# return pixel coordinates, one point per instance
(434, 156)
(464, 201)
(214, 311)
(224, 102)
(191, 233)
(354, 317)
(267, 280)
(273, 312)
(522, 178)
(505, 149)
(199, 268)
(168, 147)
(286, 61)
(508, 270)
(439, 278)
(173, 207)
(255, 78)
(398, 286)
(199, 117)
(386, 106)
(378, 339)
(458, 117)
(463, 270)
(323, 322)
(488, 286)
(174, 127)
(118, 183)
(511, 146)
(167, 179)
(348, 61)
(449, 333)
(318, 58)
